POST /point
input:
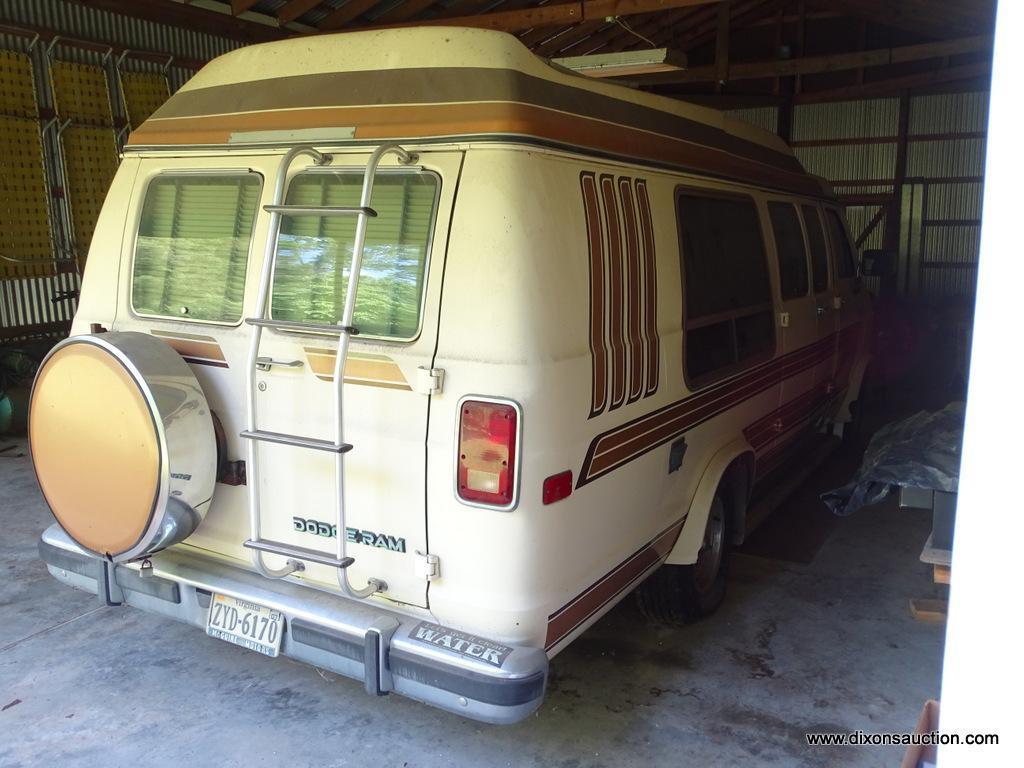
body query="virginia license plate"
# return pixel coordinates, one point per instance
(247, 624)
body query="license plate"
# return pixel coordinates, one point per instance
(247, 624)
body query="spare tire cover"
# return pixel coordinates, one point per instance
(123, 444)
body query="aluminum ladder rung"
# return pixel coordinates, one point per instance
(321, 210)
(298, 325)
(296, 440)
(299, 553)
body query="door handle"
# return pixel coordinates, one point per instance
(266, 363)
(822, 310)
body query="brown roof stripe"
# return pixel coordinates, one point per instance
(449, 85)
(485, 121)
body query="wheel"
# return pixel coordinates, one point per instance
(680, 594)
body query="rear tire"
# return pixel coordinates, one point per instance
(681, 594)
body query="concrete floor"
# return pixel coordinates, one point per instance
(799, 646)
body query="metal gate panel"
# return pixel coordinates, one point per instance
(26, 248)
(88, 144)
(144, 93)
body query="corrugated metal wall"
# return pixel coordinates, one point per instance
(80, 21)
(853, 144)
(41, 301)
(934, 198)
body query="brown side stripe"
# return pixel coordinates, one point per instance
(650, 288)
(783, 420)
(637, 351)
(574, 613)
(193, 348)
(615, 448)
(636, 435)
(611, 214)
(598, 348)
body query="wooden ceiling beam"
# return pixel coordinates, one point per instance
(241, 6)
(836, 62)
(598, 35)
(966, 73)
(667, 33)
(555, 14)
(295, 8)
(191, 17)
(935, 18)
(350, 11)
(404, 11)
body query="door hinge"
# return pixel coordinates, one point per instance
(429, 381)
(428, 566)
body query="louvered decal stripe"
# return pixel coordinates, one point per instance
(598, 349)
(650, 283)
(623, 330)
(615, 286)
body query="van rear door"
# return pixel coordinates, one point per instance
(385, 407)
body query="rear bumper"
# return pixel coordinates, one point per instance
(355, 639)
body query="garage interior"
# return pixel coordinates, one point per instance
(888, 101)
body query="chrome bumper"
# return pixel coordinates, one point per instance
(355, 639)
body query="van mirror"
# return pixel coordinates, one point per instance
(878, 262)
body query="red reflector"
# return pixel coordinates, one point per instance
(487, 452)
(557, 487)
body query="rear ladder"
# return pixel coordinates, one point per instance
(344, 330)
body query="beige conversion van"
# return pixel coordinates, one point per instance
(408, 355)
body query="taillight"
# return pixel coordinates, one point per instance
(487, 452)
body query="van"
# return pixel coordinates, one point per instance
(408, 355)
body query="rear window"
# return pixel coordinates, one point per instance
(729, 321)
(845, 265)
(789, 250)
(314, 253)
(816, 242)
(192, 248)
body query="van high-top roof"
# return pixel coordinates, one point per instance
(432, 84)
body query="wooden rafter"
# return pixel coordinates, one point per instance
(350, 11)
(935, 18)
(753, 70)
(193, 17)
(557, 14)
(966, 73)
(241, 6)
(295, 8)
(680, 29)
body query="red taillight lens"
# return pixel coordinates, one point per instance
(487, 452)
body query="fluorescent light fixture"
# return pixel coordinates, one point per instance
(625, 63)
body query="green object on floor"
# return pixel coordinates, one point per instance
(6, 414)
(14, 410)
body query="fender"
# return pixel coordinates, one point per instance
(688, 544)
(857, 373)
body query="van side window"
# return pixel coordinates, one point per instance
(816, 242)
(728, 317)
(789, 250)
(192, 248)
(845, 264)
(315, 252)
